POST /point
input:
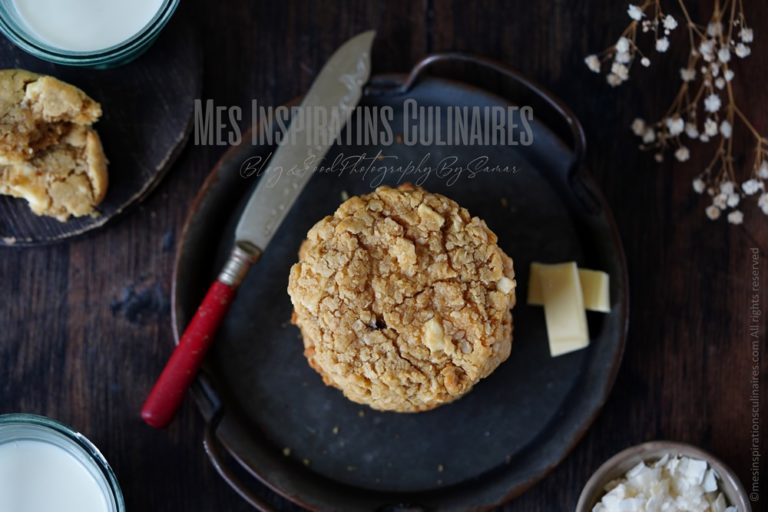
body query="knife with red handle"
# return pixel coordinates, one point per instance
(338, 89)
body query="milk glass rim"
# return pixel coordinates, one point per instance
(15, 30)
(76, 438)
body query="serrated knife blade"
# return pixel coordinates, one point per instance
(337, 88)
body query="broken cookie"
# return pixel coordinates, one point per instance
(49, 154)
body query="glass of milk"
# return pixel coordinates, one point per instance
(96, 33)
(46, 466)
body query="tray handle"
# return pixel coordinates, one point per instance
(567, 123)
(215, 451)
(578, 139)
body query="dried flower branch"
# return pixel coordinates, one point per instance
(704, 108)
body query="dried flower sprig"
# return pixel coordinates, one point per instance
(704, 108)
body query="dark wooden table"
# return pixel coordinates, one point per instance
(85, 326)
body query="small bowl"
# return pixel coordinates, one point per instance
(16, 30)
(618, 465)
(30, 427)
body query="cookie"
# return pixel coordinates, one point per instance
(49, 154)
(403, 299)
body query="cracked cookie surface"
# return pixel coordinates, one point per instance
(49, 154)
(403, 299)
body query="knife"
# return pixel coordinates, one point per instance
(338, 89)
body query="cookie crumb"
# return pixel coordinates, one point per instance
(306, 462)
(440, 468)
(360, 414)
(504, 202)
(344, 195)
(335, 430)
(286, 452)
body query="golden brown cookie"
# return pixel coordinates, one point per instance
(49, 154)
(403, 299)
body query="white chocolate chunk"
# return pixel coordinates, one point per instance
(434, 336)
(710, 481)
(564, 311)
(672, 483)
(505, 285)
(595, 287)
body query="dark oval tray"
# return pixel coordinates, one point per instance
(260, 396)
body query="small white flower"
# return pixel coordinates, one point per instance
(762, 203)
(715, 28)
(707, 49)
(728, 75)
(714, 68)
(691, 130)
(707, 46)
(727, 187)
(613, 80)
(736, 217)
(713, 212)
(723, 55)
(622, 45)
(687, 74)
(649, 136)
(670, 23)
(746, 35)
(720, 200)
(623, 57)
(645, 61)
(658, 157)
(662, 45)
(620, 70)
(762, 171)
(712, 104)
(638, 127)
(682, 154)
(726, 129)
(675, 125)
(733, 200)
(593, 63)
(751, 186)
(720, 83)
(742, 50)
(710, 127)
(635, 12)
(698, 185)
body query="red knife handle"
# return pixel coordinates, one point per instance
(181, 369)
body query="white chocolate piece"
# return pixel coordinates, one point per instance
(595, 287)
(563, 308)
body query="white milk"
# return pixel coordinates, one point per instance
(37, 476)
(85, 25)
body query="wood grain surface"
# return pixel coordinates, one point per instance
(85, 326)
